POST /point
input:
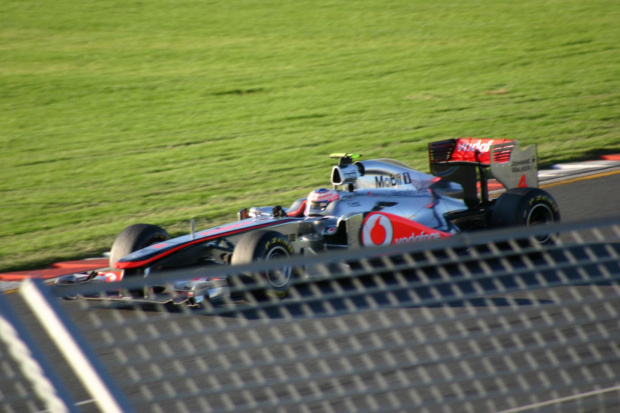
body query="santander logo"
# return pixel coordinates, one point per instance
(377, 230)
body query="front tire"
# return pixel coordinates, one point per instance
(265, 245)
(525, 207)
(134, 238)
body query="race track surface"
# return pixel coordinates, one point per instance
(589, 198)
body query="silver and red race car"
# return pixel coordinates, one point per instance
(369, 203)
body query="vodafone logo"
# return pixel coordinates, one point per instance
(418, 237)
(474, 146)
(377, 230)
(111, 277)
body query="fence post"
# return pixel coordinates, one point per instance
(31, 361)
(74, 348)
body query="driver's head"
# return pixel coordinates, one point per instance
(318, 200)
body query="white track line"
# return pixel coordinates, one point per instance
(560, 400)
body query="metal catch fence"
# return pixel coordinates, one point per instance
(483, 322)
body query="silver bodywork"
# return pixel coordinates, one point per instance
(377, 185)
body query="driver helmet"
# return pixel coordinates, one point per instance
(319, 199)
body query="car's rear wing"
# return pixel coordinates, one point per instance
(464, 160)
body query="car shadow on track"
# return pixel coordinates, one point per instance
(303, 306)
(517, 281)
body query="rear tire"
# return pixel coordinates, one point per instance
(134, 238)
(265, 245)
(525, 207)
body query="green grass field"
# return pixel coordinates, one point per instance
(118, 112)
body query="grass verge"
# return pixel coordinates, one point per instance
(113, 113)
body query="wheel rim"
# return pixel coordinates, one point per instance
(541, 214)
(280, 277)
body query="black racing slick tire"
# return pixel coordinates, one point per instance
(525, 206)
(134, 238)
(264, 245)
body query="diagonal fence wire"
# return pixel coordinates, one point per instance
(484, 322)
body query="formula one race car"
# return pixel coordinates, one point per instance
(370, 203)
